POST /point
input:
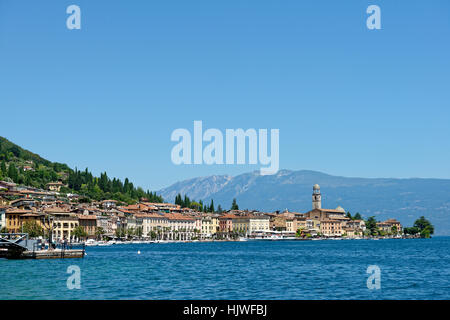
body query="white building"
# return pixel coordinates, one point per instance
(259, 223)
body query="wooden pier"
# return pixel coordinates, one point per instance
(18, 246)
(53, 254)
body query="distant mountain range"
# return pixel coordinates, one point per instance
(403, 199)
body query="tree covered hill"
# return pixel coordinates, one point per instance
(27, 168)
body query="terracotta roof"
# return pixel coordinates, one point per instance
(20, 211)
(332, 210)
(87, 217)
(30, 215)
(150, 215)
(56, 210)
(228, 216)
(177, 216)
(330, 221)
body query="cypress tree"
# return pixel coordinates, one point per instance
(234, 205)
(3, 168)
(12, 172)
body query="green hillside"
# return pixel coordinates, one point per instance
(27, 168)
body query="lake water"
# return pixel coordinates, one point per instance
(410, 269)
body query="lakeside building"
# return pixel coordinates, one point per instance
(331, 228)
(63, 223)
(259, 223)
(168, 221)
(391, 225)
(89, 224)
(357, 225)
(181, 227)
(23, 203)
(108, 204)
(55, 186)
(134, 223)
(241, 224)
(8, 186)
(226, 223)
(13, 219)
(209, 225)
(105, 223)
(153, 222)
(3, 216)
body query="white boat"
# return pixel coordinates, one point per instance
(91, 243)
(104, 243)
(242, 239)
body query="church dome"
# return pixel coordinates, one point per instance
(316, 187)
(339, 208)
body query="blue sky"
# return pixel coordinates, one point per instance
(347, 100)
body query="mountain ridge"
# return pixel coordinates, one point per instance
(405, 199)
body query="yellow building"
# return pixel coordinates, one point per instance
(241, 224)
(13, 221)
(16, 218)
(215, 223)
(299, 223)
(209, 224)
(63, 223)
(278, 223)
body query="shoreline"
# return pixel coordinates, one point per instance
(105, 244)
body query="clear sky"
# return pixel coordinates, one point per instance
(347, 100)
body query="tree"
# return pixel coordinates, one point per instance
(219, 209)
(79, 233)
(99, 233)
(179, 200)
(186, 202)
(12, 172)
(3, 168)
(120, 232)
(139, 231)
(130, 232)
(211, 206)
(357, 216)
(371, 225)
(33, 229)
(195, 205)
(349, 215)
(394, 230)
(425, 228)
(412, 230)
(234, 205)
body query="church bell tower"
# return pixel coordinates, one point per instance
(316, 197)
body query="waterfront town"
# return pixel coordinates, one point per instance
(64, 218)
